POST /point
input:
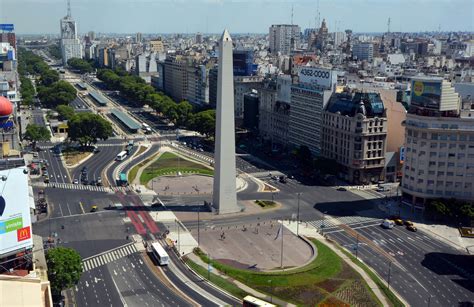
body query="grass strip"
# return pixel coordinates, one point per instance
(380, 283)
(134, 170)
(217, 280)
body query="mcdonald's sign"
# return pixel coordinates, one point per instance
(23, 233)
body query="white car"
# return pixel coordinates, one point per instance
(76, 181)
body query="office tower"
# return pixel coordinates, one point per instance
(198, 38)
(70, 45)
(91, 35)
(224, 193)
(284, 38)
(363, 51)
(138, 37)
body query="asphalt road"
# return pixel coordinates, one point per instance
(57, 172)
(425, 271)
(96, 164)
(79, 105)
(38, 119)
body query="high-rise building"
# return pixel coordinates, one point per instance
(70, 45)
(243, 63)
(251, 110)
(224, 190)
(8, 37)
(91, 35)
(244, 85)
(363, 51)
(354, 134)
(439, 144)
(198, 38)
(308, 99)
(156, 45)
(284, 38)
(138, 37)
(213, 86)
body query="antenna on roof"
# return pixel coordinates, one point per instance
(68, 8)
(292, 14)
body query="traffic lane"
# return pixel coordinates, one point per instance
(97, 162)
(56, 170)
(96, 288)
(183, 285)
(399, 280)
(410, 257)
(139, 286)
(153, 150)
(440, 266)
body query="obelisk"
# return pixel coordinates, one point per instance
(224, 193)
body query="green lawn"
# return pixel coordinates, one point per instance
(217, 280)
(380, 283)
(327, 279)
(170, 164)
(133, 172)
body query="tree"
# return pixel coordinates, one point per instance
(204, 122)
(58, 93)
(184, 111)
(49, 76)
(64, 268)
(87, 128)
(79, 64)
(35, 133)
(65, 112)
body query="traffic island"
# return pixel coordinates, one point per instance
(325, 280)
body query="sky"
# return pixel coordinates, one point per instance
(239, 16)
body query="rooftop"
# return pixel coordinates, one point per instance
(369, 104)
(126, 120)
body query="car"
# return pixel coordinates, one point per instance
(85, 182)
(92, 182)
(99, 182)
(84, 169)
(398, 222)
(201, 150)
(94, 208)
(408, 223)
(380, 189)
(46, 180)
(76, 181)
(45, 173)
(342, 189)
(387, 224)
(412, 228)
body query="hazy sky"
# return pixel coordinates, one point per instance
(239, 16)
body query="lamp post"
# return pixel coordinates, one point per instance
(298, 215)
(271, 291)
(199, 210)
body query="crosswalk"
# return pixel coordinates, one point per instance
(71, 186)
(347, 220)
(99, 145)
(107, 257)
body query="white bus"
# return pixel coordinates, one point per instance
(250, 301)
(121, 155)
(160, 254)
(145, 125)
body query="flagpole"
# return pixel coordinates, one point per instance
(281, 256)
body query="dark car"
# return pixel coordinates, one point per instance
(85, 182)
(342, 189)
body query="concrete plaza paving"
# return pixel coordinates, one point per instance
(257, 248)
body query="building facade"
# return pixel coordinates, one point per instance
(354, 134)
(439, 145)
(363, 51)
(244, 85)
(284, 38)
(71, 46)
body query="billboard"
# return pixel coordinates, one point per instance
(15, 220)
(426, 94)
(6, 27)
(318, 76)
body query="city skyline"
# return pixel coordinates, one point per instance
(211, 16)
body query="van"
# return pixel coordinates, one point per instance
(387, 224)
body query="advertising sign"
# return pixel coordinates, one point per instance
(426, 94)
(316, 75)
(15, 220)
(6, 26)
(402, 154)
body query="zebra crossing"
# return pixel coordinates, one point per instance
(71, 186)
(99, 145)
(347, 220)
(107, 257)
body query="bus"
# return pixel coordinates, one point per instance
(160, 254)
(123, 180)
(250, 301)
(121, 155)
(145, 125)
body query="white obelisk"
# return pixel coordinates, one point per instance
(224, 194)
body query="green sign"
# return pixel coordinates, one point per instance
(13, 224)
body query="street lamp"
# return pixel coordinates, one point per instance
(298, 215)
(271, 291)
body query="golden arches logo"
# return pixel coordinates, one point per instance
(418, 88)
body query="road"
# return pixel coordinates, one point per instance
(96, 164)
(57, 172)
(424, 270)
(79, 105)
